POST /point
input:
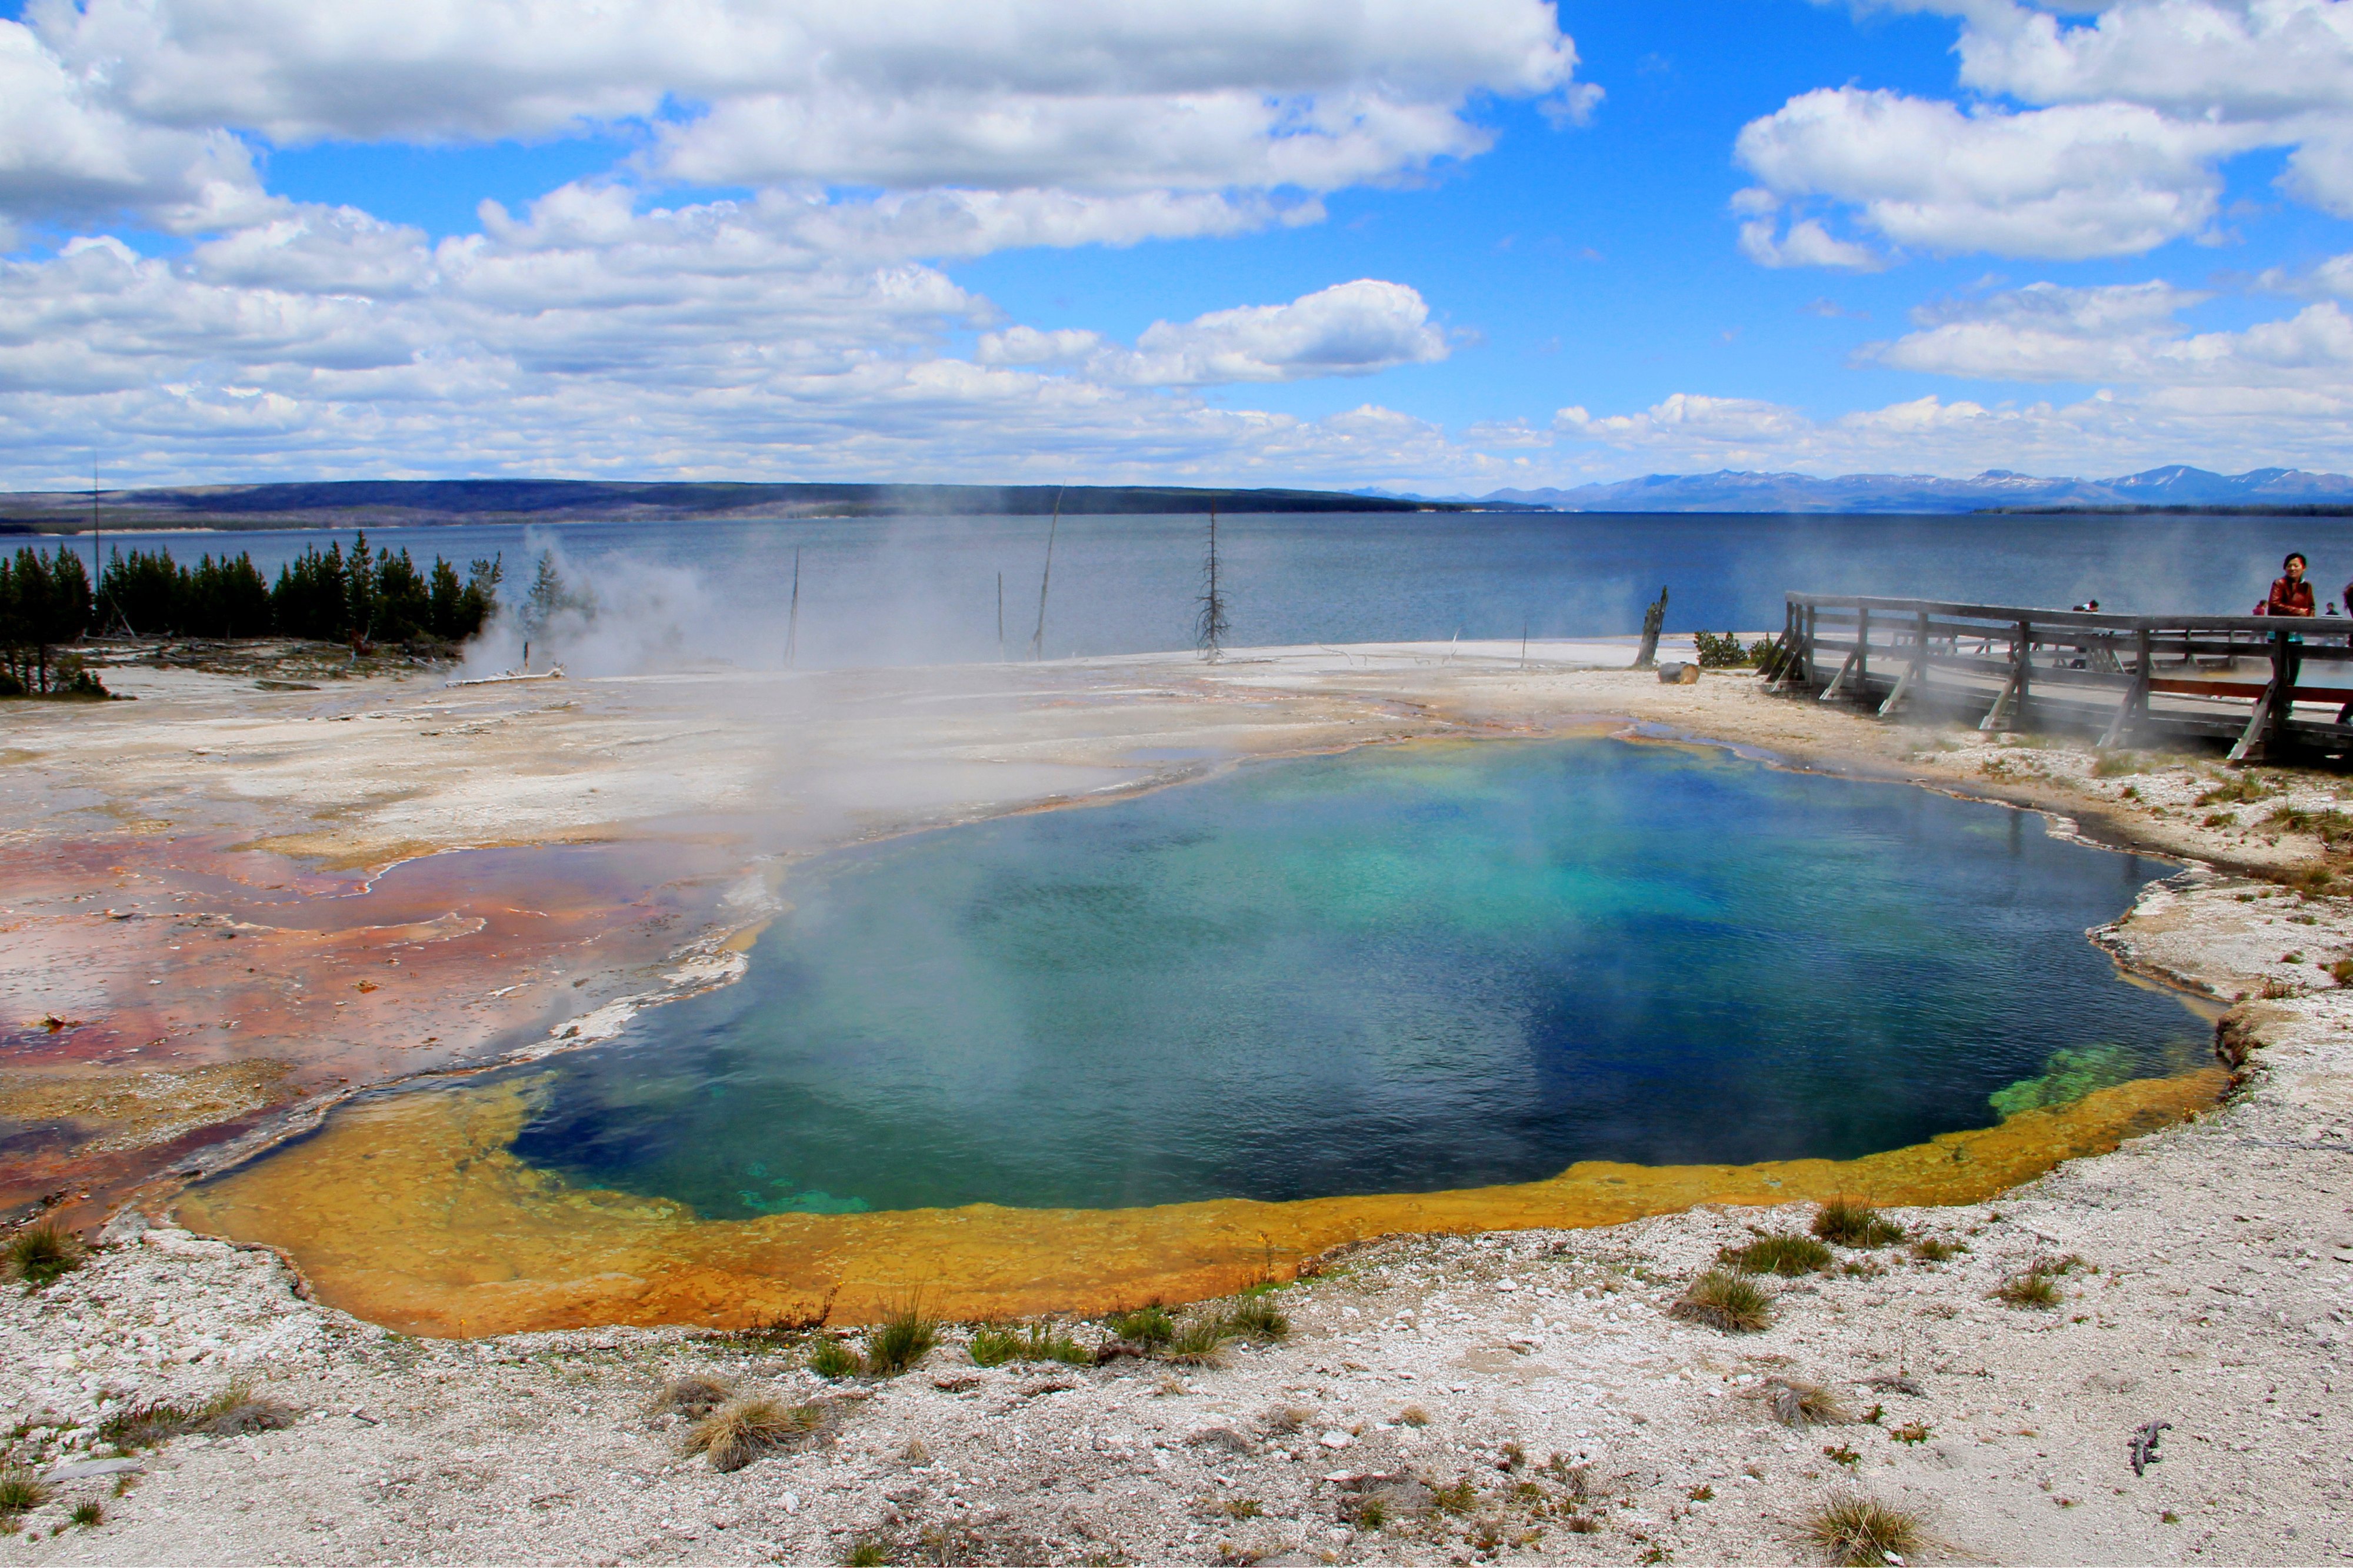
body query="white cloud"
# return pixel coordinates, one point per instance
(2127, 335)
(1349, 329)
(1806, 243)
(2077, 181)
(1017, 93)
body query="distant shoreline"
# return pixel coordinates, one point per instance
(2314, 509)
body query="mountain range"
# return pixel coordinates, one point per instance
(2175, 486)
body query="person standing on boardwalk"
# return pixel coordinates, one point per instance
(2291, 594)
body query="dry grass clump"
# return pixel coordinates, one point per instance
(868, 1554)
(1851, 1222)
(692, 1396)
(903, 1338)
(1725, 1300)
(39, 1256)
(1785, 1253)
(743, 1429)
(1199, 1340)
(1290, 1418)
(1858, 1531)
(90, 1515)
(1258, 1318)
(234, 1410)
(2031, 1288)
(21, 1491)
(1797, 1402)
(1413, 1415)
(833, 1359)
(1936, 1250)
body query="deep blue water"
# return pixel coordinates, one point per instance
(1401, 969)
(914, 589)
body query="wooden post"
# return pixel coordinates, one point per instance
(2272, 709)
(1916, 675)
(2135, 703)
(1862, 652)
(2013, 692)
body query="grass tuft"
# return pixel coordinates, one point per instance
(234, 1410)
(1459, 1498)
(1936, 1250)
(692, 1396)
(1725, 1300)
(1797, 1402)
(833, 1359)
(21, 1491)
(993, 1345)
(868, 1554)
(1258, 1318)
(1146, 1326)
(1856, 1531)
(89, 1515)
(742, 1429)
(2032, 1288)
(1413, 1415)
(1786, 1254)
(1851, 1222)
(904, 1338)
(39, 1256)
(1198, 1340)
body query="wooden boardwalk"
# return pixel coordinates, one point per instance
(2266, 685)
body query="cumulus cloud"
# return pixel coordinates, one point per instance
(2098, 136)
(1350, 328)
(2129, 334)
(2073, 182)
(1013, 94)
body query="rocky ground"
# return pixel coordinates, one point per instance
(1528, 1394)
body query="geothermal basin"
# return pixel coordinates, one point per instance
(1161, 1045)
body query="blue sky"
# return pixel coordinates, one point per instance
(1441, 249)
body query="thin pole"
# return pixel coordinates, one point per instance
(1524, 644)
(792, 626)
(1045, 580)
(1000, 618)
(97, 539)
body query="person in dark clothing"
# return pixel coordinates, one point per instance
(2291, 594)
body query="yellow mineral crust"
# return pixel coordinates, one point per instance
(411, 1211)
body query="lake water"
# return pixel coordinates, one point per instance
(927, 589)
(1402, 969)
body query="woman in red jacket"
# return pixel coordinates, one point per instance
(2291, 594)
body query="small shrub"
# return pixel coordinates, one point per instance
(1786, 1254)
(1198, 1339)
(1720, 652)
(1372, 1512)
(89, 1515)
(994, 1346)
(1584, 1524)
(1146, 1326)
(1850, 1222)
(904, 1338)
(1413, 1415)
(1701, 1493)
(1841, 1454)
(236, 1410)
(2240, 791)
(39, 1256)
(831, 1358)
(1726, 1301)
(21, 1491)
(1936, 1250)
(692, 1396)
(2031, 1288)
(742, 1429)
(1910, 1432)
(1459, 1498)
(1258, 1318)
(1860, 1532)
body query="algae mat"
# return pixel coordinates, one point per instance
(411, 1211)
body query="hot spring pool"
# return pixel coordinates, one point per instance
(1399, 969)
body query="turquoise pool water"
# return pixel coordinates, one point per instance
(1401, 969)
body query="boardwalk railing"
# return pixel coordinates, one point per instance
(2262, 682)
